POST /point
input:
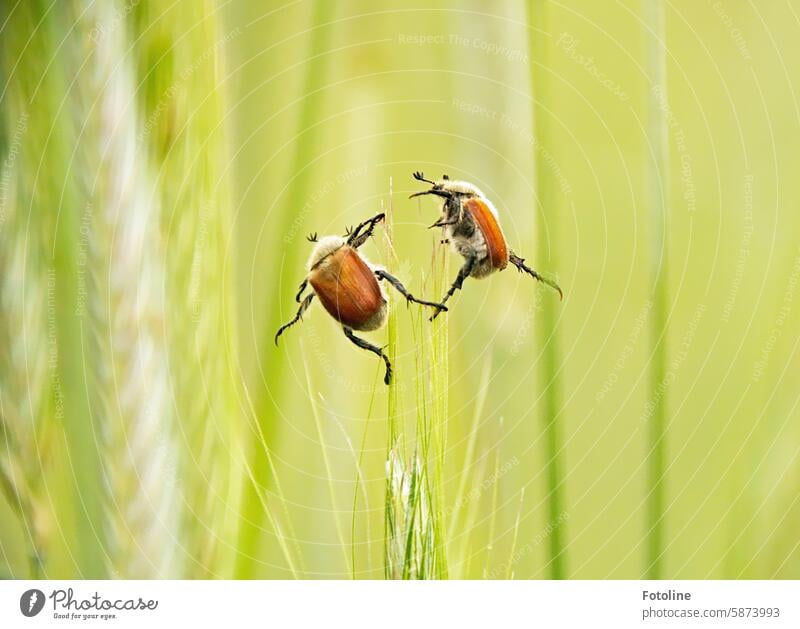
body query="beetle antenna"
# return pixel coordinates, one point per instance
(420, 177)
(521, 266)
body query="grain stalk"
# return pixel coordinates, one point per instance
(124, 319)
(164, 385)
(415, 532)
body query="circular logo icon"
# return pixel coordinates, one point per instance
(31, 602)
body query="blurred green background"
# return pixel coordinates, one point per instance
(161, 167)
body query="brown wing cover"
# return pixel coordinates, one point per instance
(347, 288)
(490, 228)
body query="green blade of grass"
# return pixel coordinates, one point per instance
(327, 463)
(441, 412)
(493, 511)
(292, 555)
(359, 486)
(511, 561)
(483, 391)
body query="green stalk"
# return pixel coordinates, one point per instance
(656, 184)
(551, 360)
(267, 405)
(391, 326)
(441, 412)
(392, 502)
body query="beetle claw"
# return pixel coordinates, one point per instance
(312, 237)
(440, 308)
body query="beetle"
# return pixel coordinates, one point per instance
(472, 226)
(347, 285)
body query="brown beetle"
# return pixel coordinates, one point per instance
(472, 226)
(347, 285)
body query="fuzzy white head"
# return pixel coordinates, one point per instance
(452, 190)
(459, 187)
(324, 247)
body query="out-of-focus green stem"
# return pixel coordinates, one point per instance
(56, 206)
(547, 248)
(266, 401)
(657, 181)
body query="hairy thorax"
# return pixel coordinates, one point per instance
(467, 240)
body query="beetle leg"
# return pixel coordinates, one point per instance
(387, 378)
(521, 266)
(444, 223)
(384, 275)
(303, 307)
(356, 238)
(463, 273)
(300, 290)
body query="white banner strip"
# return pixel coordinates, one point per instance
(401, 605)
